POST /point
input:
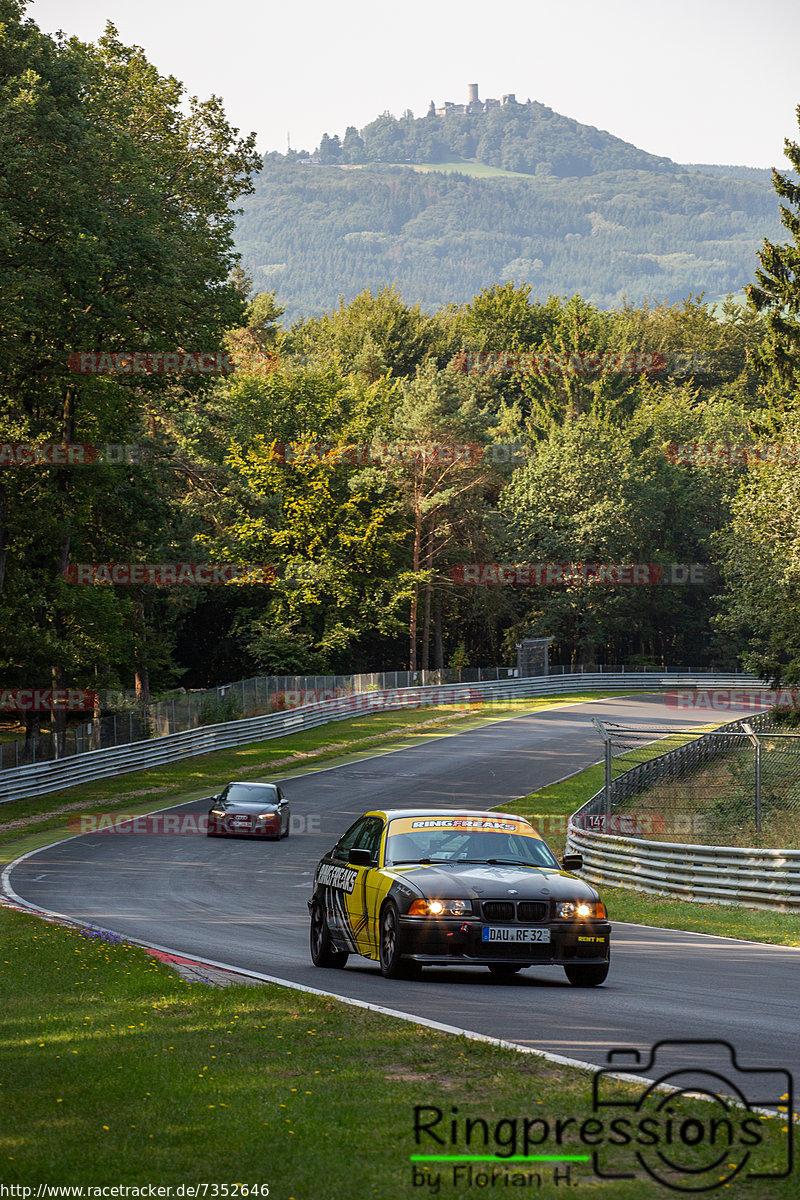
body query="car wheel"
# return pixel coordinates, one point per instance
(586, 976)
(323, 953)
(393, 965)
(504, 970)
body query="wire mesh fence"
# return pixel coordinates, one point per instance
(130, 722)
(245, 698)
(733, 785)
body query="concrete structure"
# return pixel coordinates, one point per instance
(474, 104)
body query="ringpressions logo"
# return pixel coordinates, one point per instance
(686, 1116)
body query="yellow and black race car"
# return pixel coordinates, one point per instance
(411, 888)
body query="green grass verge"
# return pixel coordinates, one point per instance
(31, 823)
(549, 808)
(113, 1070)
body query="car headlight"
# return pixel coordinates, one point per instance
(581, 909)
(218, 812)
(440, 908)
(267, 816)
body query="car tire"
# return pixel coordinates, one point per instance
(323, 953)
(393, 965)
(505, 970)
(587, 975)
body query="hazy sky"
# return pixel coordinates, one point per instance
(711, 81)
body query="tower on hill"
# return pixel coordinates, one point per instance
(474, 104)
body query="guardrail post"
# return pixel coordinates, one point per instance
(748, 729)
(758, 787)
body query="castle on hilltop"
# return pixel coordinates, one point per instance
(473, 105)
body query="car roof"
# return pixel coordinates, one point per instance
(390, 814)
(248, 783)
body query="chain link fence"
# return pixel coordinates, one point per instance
(733, 785)
(129, 722)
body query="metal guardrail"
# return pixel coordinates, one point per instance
(758, 877)
(768, 879)
(125, 721)
(41, 778)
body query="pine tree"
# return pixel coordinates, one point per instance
(777, 292)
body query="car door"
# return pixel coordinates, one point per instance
(348, 903)
(373, 885)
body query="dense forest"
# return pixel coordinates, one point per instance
(363, 456)
(565, 208)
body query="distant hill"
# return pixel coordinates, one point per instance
(542, 199)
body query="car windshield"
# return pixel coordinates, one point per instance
(502, 847)
(241, 794)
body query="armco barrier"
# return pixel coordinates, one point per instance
(759, 878)
(41, 778)
(767, 879)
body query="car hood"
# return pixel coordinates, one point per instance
(471, 881)
(246, 806)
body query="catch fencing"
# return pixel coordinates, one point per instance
(132, 722)
(701, 819)
(128, 721)
(40, 778)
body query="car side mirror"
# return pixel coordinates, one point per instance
(572, 862)
(359, 857)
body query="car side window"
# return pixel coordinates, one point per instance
(349, 839)
(370, 836)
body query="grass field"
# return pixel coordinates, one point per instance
(115, 1071)
(465, 167)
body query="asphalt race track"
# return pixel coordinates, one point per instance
(243, 903)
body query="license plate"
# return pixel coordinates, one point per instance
(511, 933)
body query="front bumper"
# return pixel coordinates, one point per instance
(264, 829)
(435, 941)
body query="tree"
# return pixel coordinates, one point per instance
(439, 424)
(115, 234)
(762, 570)
(373, 335)
(594, 492)
(777, 291)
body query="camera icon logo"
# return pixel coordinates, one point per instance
(691, 1151)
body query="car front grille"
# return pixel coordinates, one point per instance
(506, 910)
